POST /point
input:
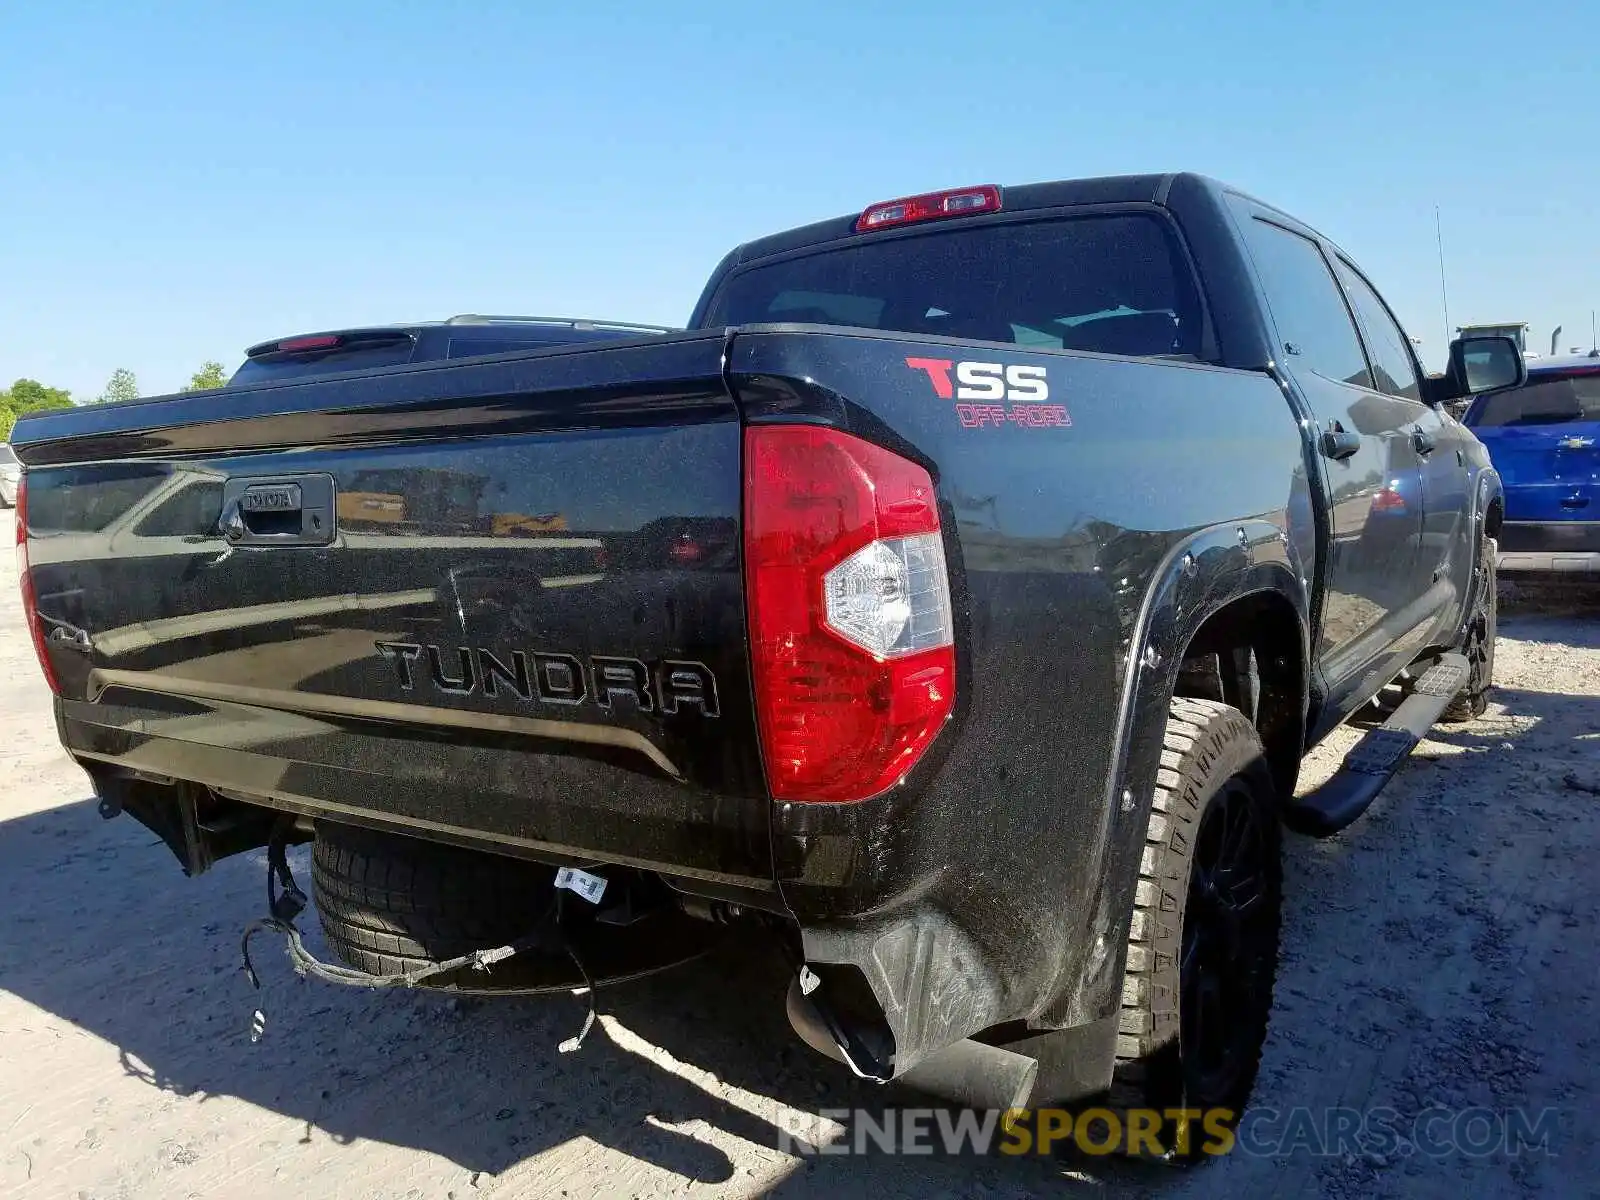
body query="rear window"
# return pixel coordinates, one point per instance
(356, 358)
(1110, 284)
(1545, 399)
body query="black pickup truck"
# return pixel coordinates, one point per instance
(953, 600)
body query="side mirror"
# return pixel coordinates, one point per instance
(1482, 364)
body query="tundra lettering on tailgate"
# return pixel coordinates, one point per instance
(980, 387)
(552, 677)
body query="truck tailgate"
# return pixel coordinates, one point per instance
(499, 602)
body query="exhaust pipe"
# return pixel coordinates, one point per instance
(968, 1073)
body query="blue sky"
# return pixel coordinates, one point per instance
(181, 180)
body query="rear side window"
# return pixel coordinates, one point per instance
(1544, 400)
(1114, 284)
(1306, 304)
(356, 358)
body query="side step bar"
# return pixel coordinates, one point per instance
(1376, 757)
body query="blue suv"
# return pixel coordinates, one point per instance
(1544, 439)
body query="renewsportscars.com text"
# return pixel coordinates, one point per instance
(1323, 1133)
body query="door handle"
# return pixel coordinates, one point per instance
(1339, 445)
(1423, 441)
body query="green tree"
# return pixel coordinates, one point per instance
(26, 396)
(121, 386)
(29, 395)
(210, 375)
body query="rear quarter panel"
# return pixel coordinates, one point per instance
(1065, 534)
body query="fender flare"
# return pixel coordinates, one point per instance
(1200, 576)
(1490, 488)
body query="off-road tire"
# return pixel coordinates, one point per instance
(391, 904)
(1477, 643)
(1209, 750)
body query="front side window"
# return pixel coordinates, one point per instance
(1306, 304)
(1392, 364)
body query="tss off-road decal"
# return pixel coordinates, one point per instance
(993, 394)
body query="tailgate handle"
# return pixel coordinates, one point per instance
(278, 510)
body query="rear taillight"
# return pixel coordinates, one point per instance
(30, 609)
(852, 637)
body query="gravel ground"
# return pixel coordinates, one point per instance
(1442, 952)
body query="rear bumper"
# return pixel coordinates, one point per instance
(895, 969)
(918, 946)
(1560, 564)
(1550, 547)
(547, 801)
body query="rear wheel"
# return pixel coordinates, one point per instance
(1203, 947)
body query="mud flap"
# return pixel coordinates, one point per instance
(929, 988)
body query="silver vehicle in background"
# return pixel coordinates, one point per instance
(10, 474)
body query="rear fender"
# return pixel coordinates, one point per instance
(909, 981)
(1201, 576)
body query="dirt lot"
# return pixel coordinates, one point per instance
(1442, 952)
